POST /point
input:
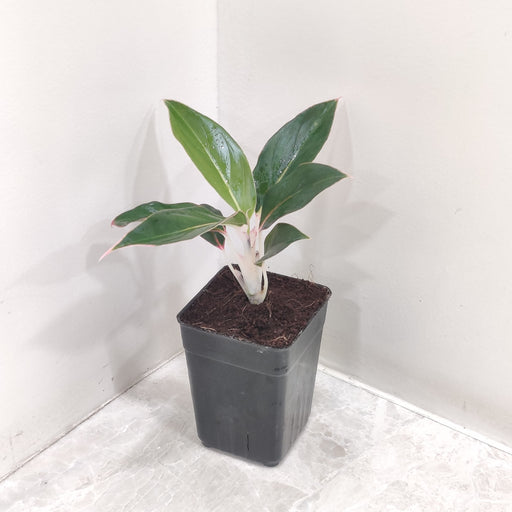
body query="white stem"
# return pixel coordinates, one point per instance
(244, 247)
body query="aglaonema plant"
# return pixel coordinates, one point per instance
(284, 180)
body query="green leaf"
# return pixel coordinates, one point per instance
(296, 189)
(281, 236)
(216, 154)
(175, 225)
(143, 211)
(215, 238)
(297, 142)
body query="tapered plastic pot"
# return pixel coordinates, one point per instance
(251, 400)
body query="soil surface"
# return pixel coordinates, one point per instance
(290, 304)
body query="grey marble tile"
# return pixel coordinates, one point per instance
(357, 453)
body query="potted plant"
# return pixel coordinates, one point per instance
(251, 337)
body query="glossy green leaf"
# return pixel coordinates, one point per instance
(296, 189)
(143, 211)
(175, 225)
(216, 154)
(281, 236)
(297, 142)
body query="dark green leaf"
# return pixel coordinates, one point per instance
(297, 142)
(143, 211)
(175, 225)
(215, 238)
(281, 236)
(216, 154)
(296, 189)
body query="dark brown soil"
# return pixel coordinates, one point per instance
(222, 307)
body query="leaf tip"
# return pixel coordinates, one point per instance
(106, 253)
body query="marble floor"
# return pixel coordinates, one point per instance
(357, 453)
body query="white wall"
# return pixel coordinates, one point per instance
(417, 247)
(84, 135)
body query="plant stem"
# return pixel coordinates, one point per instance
(243, 248)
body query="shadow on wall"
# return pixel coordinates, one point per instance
(120, 302)
(340, 227)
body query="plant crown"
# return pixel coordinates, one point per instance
(284, 180)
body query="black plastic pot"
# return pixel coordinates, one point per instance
(250, 400)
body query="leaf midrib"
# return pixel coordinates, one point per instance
(160, 237)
